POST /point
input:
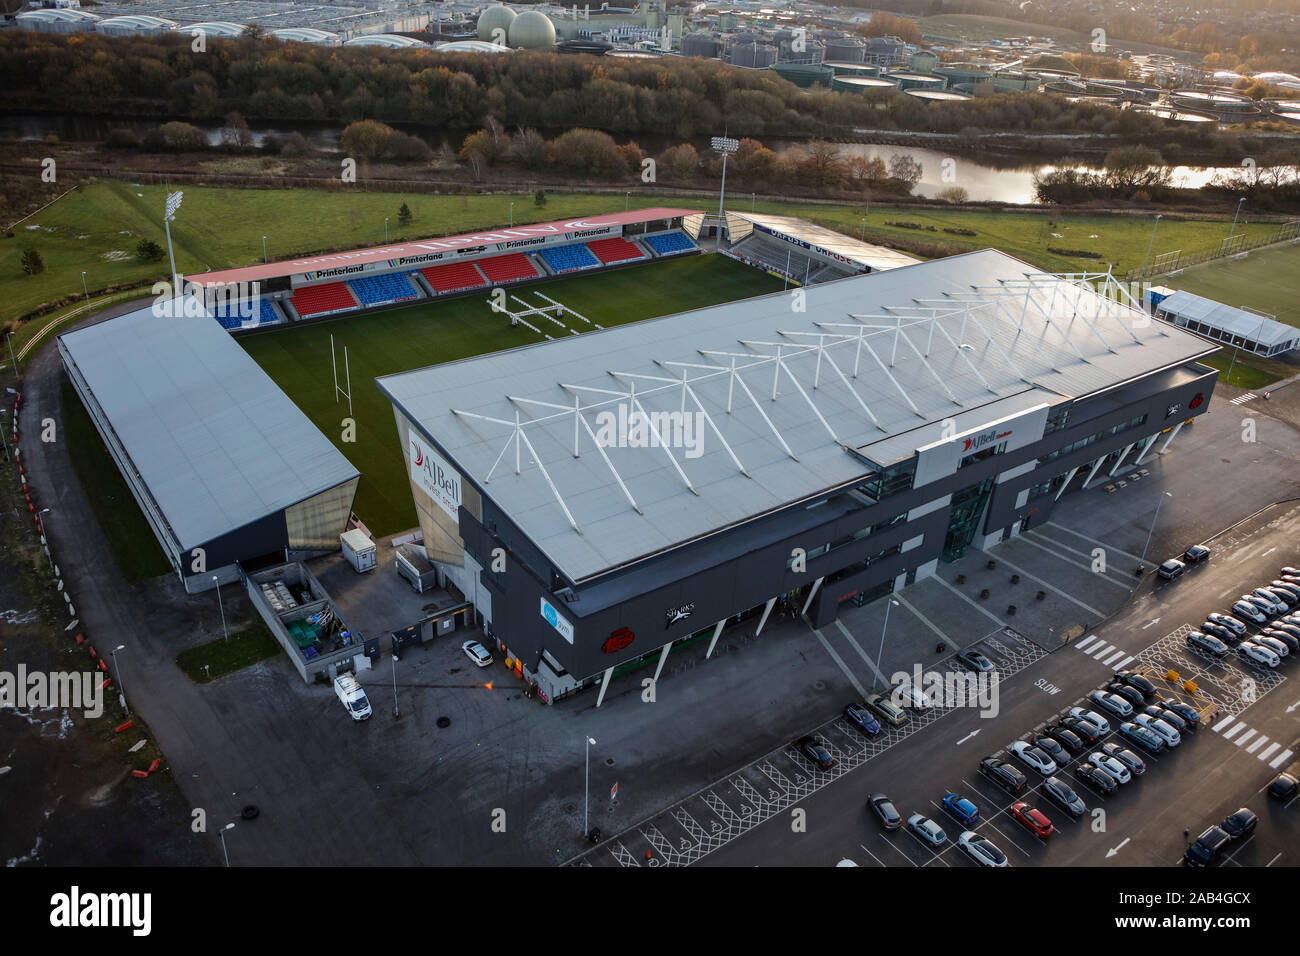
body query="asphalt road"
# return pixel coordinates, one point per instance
(1208, 776)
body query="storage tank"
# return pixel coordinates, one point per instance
(701, 44)
(845, 49)
(916, 81)
(753, 55)
(532, 30)
(937, 96)
(861, 84)
(803, 74)
(495, 19)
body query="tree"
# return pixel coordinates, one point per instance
(954, 194)
(539, 198)
(404, 215)
(146, 250)
(235, 131)
(680, 162)
(365, 139)
(33, 264)
(905, 169)
(1133, 168)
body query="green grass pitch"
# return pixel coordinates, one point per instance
(298, 358)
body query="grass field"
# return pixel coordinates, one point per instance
(96, 230)
(298, 359)
(129, 536)
(1266, 281)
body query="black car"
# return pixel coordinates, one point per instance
(1066, 738)
(1096, 778)
(1240, 824)
(1135, 764)
(883, 807)
(1168, 716)
(817, 754)
(1081, 729)
(1208, 643)
(1052, 748)
(1278, 634)
(1130, 694)
(1136, 680)
(1217, 631)
(1284, 787)
(1288, 587)
(1003, 774)
(1196, 554)
(1207, 847)
(1060, 793)
(1287, 626)
(1191, 716)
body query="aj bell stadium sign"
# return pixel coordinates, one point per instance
(435, 477)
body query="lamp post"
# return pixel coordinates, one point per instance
(1161, 501)
(726, 146)
(862, 233)
(396, 713)
(222, 607)
(121, 688)
(83, 287)
(1234, 220)
(1151, 244)
(9, 338)
(265, 257)
(753, 198)
(173, 204)
(883, 629)
(385, 230)
(1236, 350)
(45, 538)
(627, 199)
(586, 788)
(222, 833)
(512, 214)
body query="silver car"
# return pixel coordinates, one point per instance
(1157, 726)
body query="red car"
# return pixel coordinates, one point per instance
(1035, 821)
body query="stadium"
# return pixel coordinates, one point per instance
(611, 440)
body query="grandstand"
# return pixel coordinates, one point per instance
(803, 251)
(618, 249)
(384, 289)
(784, 259)
(670, 243)
(327, 299)
(572, 258)
(512, 268)
(454, 277)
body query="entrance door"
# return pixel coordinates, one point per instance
(967, 509)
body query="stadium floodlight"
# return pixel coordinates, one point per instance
(173, 203)
(726, 146)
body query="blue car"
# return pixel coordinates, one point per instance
(861, 718)
(961, 808)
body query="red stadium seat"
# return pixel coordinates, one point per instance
(614, 250)
(454, 277)
(330, 297)
(507, 268)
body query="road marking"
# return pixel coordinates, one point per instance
(991, 616)
(861, 653)
(1224, 722)
(1097, 653)
(1242, 399)
(1115, 849)
(1123, 664)
(1114, 657)
(1280, 759)
(967, 737)
(1268, 552)
(1052, 587)
(927, 622)
(874, 857)
(1256, 745)
(1268, 751)
(840, 661)
(1084, 644)
(1272, 861)
(1123, 585)
(1241, 725)
(1246, 736)
(1053, 524)
(1154, 620)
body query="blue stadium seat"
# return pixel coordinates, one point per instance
(570, 257)
(382, 289)
(229, 312)
(669, 242)
(266, 313)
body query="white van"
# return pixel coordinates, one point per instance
(353, 697)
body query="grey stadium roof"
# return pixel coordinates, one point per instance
(214, 439)
(868, 357)
(1249, 325)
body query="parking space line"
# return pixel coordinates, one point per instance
(1269, 750)
(1053, 524)
(1259, 741)
(1241, 725)
(873, 856)
(1280, 759)
(1051, 587)
(840, 661)
(1244, 737)
(861, 653)
(1005, 837)
(896, 849)
(927, 622)
(992, 617)
(1123, 585)
(1223, 723)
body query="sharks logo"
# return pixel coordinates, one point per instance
(675, 615)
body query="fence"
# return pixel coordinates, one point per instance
(1169, 262)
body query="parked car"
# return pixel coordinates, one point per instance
(861, 718)
(1035, 821)
(1066, 737)
(883, 807)
(1283, 787)
(927, 830)
(911, 697)
(1216, 631)
(1096, 778)
(1052, 748)
(1207, 644)
(1228, 621)
(1081, 729)
(1168, 716)
(1111, 703)
(961, 808)
(1286, 627)
(1091, 717)
(816, 753)
(1290, 570)
(1286, 587)
(1147, 739)
(1278, 634)
(975, 660)
(1190, 715)
(884, 708)
(1240, 824)
(350, 693)
(1196, 554)
(1249, 611)
(477, 653)
(981, 849)
(1111, 765)
(1282, 600)
(1273, 644)
(1003, 774)
(1166, 731)
(1258, 654)
(1034, 758)
(1061, 794)
(1171, 569)
(1265, 606)
(1207, 847)
(1134, 679)
(1135, 764)
(1130, 694)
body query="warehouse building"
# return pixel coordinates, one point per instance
(224, 466)
(601, 497)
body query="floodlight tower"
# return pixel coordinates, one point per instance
(173, 203)
(726, 146)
